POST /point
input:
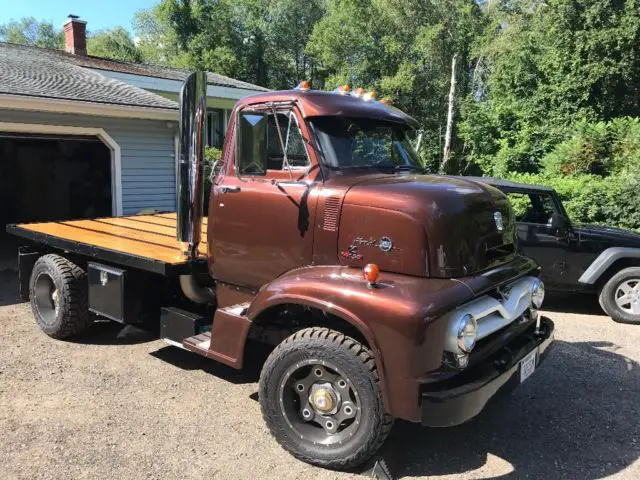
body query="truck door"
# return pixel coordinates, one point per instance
(264, 214)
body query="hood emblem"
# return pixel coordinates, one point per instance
(497, 216)
(385, 244)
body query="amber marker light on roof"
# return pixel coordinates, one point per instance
(370, 273)
(304, 86)
(384, 101)
(343, 89)
(371, 95)
(358, 92)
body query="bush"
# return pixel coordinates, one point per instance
(612, 201)
(601, 148)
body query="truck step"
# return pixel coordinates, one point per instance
(198, 343)
(239, 309)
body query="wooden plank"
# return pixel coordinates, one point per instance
(136, 225)
(147, 236)
(174, 216)
(124, 232)
(102, 240)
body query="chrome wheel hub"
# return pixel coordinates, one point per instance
(324, 399)
(319, 403)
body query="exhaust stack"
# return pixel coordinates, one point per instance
(193, 101)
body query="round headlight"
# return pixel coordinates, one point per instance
(467, 332)
(537, 293)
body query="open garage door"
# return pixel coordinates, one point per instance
(52, 177)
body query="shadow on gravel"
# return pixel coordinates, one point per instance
(8, 287)
(576, 418)
(573, 303)
(106, 332)
(255, 357)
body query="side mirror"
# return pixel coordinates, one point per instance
(252, 143)
(559, 223)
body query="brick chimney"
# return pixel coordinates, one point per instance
(75, 36)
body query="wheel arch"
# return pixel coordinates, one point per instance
(321, 314)
(608, 263)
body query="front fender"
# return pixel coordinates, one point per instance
(397, 318)
(607, 258)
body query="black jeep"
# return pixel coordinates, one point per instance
(576, 258)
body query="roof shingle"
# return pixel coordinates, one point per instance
(40, 72)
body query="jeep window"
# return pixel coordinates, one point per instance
(291, 138)
(532, 207)
(364, 143)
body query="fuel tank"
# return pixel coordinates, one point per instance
(426, 225)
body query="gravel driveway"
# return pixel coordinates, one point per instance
(112, 406)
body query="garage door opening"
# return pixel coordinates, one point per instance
(52, 177)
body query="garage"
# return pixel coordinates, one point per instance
(52, 177)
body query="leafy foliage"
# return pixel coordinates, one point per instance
(116, 44)
(29, 31)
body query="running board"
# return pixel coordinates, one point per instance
(225, 342)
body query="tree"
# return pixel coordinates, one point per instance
(403, 49)
(550, 65)
(29, 31)
(259, 41)
(115, 44)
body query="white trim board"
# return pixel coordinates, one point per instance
(116, 161)
(42, 104)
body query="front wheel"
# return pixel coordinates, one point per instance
(620, 296)
(321, 399)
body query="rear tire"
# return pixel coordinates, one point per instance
(620, 296)
(305, 375)
(58, 294)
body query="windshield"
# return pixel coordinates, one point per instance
(363, 143)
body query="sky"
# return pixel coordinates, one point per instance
(98, 14)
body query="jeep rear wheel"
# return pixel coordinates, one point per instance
(620, 296)
(321, 399)
(58, 294)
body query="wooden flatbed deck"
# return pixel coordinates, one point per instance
(142, 241)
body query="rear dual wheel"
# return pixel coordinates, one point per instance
(58, 294)
(321, 399)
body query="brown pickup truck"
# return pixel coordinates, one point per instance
(385, 293)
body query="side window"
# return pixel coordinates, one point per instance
(291, 138)
(521, 204)
(532, 207)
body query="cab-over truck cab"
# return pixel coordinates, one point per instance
(386, 293)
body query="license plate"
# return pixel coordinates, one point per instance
(528, 365)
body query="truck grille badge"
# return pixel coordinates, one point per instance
(497, 216)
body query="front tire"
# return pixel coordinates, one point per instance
(620, 296)
(321, 399)
(58, 294)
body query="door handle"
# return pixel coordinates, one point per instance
(229, 189)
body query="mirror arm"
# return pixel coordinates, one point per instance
(282, 145)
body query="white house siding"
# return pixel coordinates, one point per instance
(146, 149)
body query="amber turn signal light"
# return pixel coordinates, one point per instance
(304, 86)
(370, 273)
